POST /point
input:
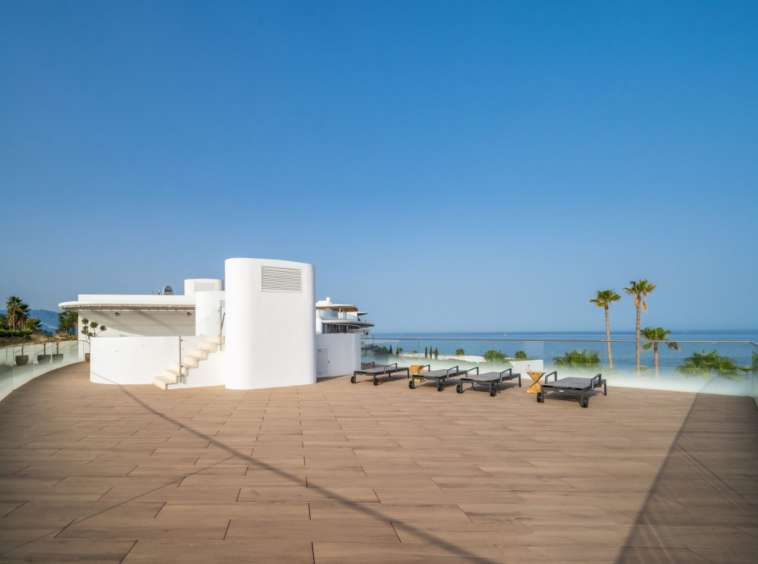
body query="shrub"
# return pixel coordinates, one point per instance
(494, 356)
(460, 352)
(521, 355)
(705, 363)
(17, 333)
(578, 359)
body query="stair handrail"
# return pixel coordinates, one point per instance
(221, 318)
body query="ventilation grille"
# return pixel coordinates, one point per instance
(275, 279)
(205, 286)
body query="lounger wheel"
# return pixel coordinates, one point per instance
(439, 386)
(411, 384)
(584, 402)
(352, 379)
(459, 388)
(540, 397)
(493, 392)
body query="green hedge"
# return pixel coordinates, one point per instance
(20, 333)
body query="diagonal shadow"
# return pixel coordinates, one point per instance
(699, 484)
(332, 496)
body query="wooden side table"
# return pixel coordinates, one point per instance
(535, 388)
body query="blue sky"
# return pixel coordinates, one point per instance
(448, 166)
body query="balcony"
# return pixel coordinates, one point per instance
(332, 315)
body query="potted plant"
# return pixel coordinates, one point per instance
(22, 359)
(58, 356)
(43, 358)
(90, 330)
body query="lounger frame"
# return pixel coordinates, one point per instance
(439, 376)
(572, 385)
(493, 383)
(371, 369)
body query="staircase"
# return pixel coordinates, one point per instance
(173, 376)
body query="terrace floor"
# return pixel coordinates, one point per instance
(342, 473)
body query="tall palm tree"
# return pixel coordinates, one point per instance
(657, 335)
(604, 299)
(18, 312)
(639, 289)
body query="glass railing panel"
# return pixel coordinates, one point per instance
(7, 359)
(668, 369)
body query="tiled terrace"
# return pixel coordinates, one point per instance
(341, 473)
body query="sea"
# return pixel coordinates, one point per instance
(547, 345)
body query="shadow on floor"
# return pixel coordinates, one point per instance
(706, 493)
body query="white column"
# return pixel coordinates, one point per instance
(270, 324)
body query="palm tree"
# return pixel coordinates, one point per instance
(459, 352)
(33, 324)
(657, 335)
(639, 289)
(604, 299)
(18, 312)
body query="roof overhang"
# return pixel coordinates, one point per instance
(338, 307)
(346, 322)
(91, 306)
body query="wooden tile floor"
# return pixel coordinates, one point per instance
(343, 473)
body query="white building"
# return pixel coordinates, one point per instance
(339, 328)
(261, 331)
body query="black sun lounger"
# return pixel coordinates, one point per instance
(438, 376)
(371, 369)
(490, 379)
(572, 385)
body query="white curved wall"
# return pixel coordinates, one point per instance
(207, 318)
(270, 324)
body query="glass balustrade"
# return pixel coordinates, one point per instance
(21, 363)
(717, 367)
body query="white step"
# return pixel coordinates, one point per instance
(208, 347)
(162, 382)
(175, 369)
(170, 375)
(199, 354)
(216, 340)
(190, 361)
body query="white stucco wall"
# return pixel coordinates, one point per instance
(136, 360)
(343, 351)
(207, 317)
(270, 333)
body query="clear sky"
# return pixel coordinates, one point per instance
(447, 166)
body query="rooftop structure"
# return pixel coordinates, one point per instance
(262, 331)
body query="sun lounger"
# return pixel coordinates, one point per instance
(371, 369)
(572, 385)
(490, 379)
(439, 376)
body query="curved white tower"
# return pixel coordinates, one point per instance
(269, 324)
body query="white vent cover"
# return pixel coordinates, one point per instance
(204, 286)
(275, 279)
